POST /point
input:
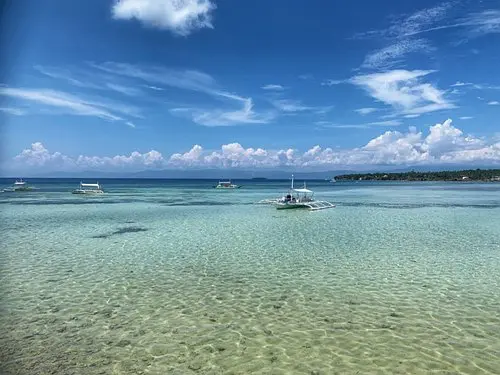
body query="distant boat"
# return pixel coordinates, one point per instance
(19, 185)
(333, 180)
(88, 189)
(226, 185)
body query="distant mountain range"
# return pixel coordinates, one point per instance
(245, 174)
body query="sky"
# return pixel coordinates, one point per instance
(129, 85)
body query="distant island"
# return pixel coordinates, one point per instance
(463, 175)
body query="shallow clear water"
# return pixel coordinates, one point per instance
(173, 277)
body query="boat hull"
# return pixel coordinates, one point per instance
(290, 206)
(87, 192)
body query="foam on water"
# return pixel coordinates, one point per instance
(397, 279)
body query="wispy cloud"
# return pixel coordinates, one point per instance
(494, 102)
(327, 124)
(87, 80)
(404, 91)
(245, 115)
(482, 23)
(394, 53)
(408, 25)
(366, 111)
(460, 84)
(71, 104)
(272, 87)
(181, 17)
(332, 82)
(306, 76)
(67, 76)
(466, 118)
(405, 34)
(13, 111)
(130, 91)
(289, 105)
(154, 88)
(193, 80)
(130, 124)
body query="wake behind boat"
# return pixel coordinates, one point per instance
(298, 198)
(88, 189)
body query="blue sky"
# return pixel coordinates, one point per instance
(137, 84)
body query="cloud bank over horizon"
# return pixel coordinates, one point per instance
(443, 144)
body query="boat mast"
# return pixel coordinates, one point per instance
(292, 181)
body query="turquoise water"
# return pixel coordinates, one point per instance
(174, 277)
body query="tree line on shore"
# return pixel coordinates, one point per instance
(463, 175)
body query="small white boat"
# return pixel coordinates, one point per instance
(88, 189)
(19, 185)
(226, 185)
(298, 198)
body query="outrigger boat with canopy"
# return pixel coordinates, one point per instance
(88, 189)
(19, 185)
(298, 198)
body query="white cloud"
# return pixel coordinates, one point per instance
(404, 91)
(130, 124)
(273, 87)
(366, 111)
(494, 102)
(466, 118)
(181, 17)
(443, 144)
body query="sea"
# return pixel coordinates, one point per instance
(176, 277)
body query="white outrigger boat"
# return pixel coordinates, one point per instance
(298, 198)
(226, 185)
(88, 189)
(19, 185)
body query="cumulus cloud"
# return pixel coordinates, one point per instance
(181, 17)
(38, 157)
(404, 91)
(443, 143)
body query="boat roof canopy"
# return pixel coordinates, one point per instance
(302, 190)
(89, 185)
